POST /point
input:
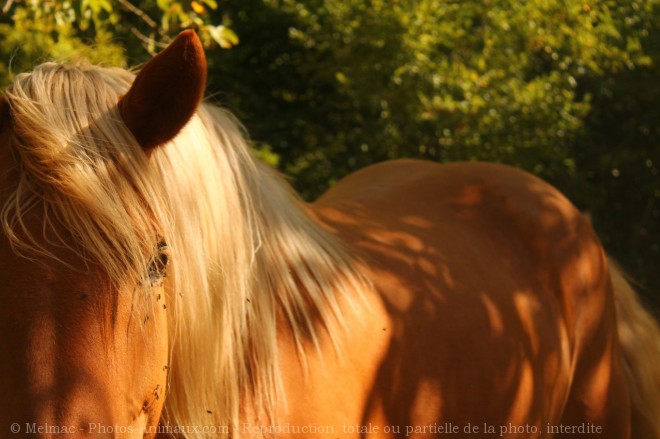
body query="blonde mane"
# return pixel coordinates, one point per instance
(244, 252)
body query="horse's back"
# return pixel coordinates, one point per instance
(492, 284)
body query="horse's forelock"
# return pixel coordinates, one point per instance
(77, 158)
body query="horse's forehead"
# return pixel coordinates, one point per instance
(47, 258)
(57, 260)
(34, 278)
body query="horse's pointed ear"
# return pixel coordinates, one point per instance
(166, 92)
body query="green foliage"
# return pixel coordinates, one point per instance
(36, 31)
(567, 90)
(564, 90)
(33, 31)
(496, 80)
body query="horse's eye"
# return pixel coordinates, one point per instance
(158, 265)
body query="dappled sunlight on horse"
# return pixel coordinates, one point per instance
(476, 280)
(156, 280)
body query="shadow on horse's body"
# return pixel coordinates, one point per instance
(157, 281)
(492, 295)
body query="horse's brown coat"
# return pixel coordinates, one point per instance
(73, 351)
(492, 308)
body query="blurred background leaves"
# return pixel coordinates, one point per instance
(567, 90)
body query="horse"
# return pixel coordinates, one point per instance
(158, 281)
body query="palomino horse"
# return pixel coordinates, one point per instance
(158, 281)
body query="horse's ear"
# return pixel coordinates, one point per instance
(166, 92)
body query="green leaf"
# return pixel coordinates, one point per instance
(163, 4)
(222, 35)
